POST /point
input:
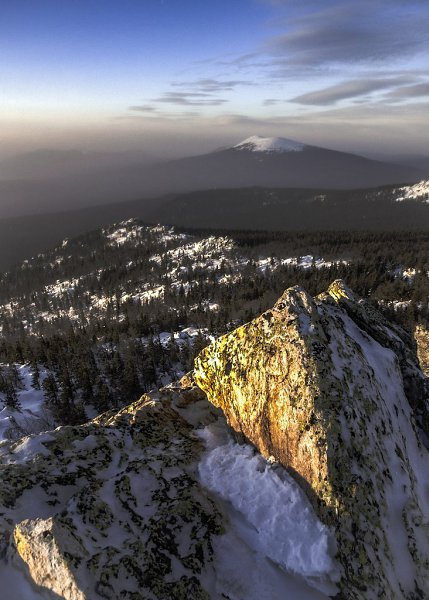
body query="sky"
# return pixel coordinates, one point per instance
(177, 77)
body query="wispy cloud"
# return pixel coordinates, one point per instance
(351, 32)
(420, 90)
(145, 108)
(201, 92)
(271, 101)
(190, 99)
(349, 89)
(321, 69)
(212, 85)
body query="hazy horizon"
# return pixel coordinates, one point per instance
(176, 79)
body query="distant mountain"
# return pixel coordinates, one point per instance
(418, 161)
(279, 162)
(52, 180)
(256, 143)
(265, 162)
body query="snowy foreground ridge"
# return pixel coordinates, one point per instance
(127, 506)
(161, 499)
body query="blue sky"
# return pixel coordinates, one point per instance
(173, 75)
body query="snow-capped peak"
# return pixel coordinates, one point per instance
(256, 143)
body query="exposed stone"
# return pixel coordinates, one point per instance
(332, 391)
(421, 335)
(48, 551)
(128, 518)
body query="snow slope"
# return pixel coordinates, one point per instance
(32, 417)
(256, 143)
(270, 513)
(130, 500)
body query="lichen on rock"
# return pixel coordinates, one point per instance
(123, 515)
(334, 392)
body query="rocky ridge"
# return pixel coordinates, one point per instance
(158, 501)
(118, 508)
(334, 393)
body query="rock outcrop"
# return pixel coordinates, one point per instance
(421, 335)
(111, 509)
(157, 501)
(127, 506)
(334, 393)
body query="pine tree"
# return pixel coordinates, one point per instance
(102, 397)
(131, 385)
(50, 391)
(11, 397)
(35, 376)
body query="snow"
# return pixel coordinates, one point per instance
(191, 332)
(270, 510)
(17, 586)
(59, 288)
(395, 413)
(128, 231)
(165, 338)
(125, 232)
(418, 191)
(26, 447)
(187, 262)
(244, 574)
(256, 143)
(32, 416)
(302, 262)
(207, 249)
(408, 274)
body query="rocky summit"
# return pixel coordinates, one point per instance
(291, 463)
(331, 390)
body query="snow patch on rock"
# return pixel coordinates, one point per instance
(276, 517)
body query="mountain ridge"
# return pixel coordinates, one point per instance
(158, 499)
(257, 209)
(235, 167)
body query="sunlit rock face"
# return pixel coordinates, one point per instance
(421, 335)
(334, 393)
(156, 501)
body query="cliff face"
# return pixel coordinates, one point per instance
(334, 393)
